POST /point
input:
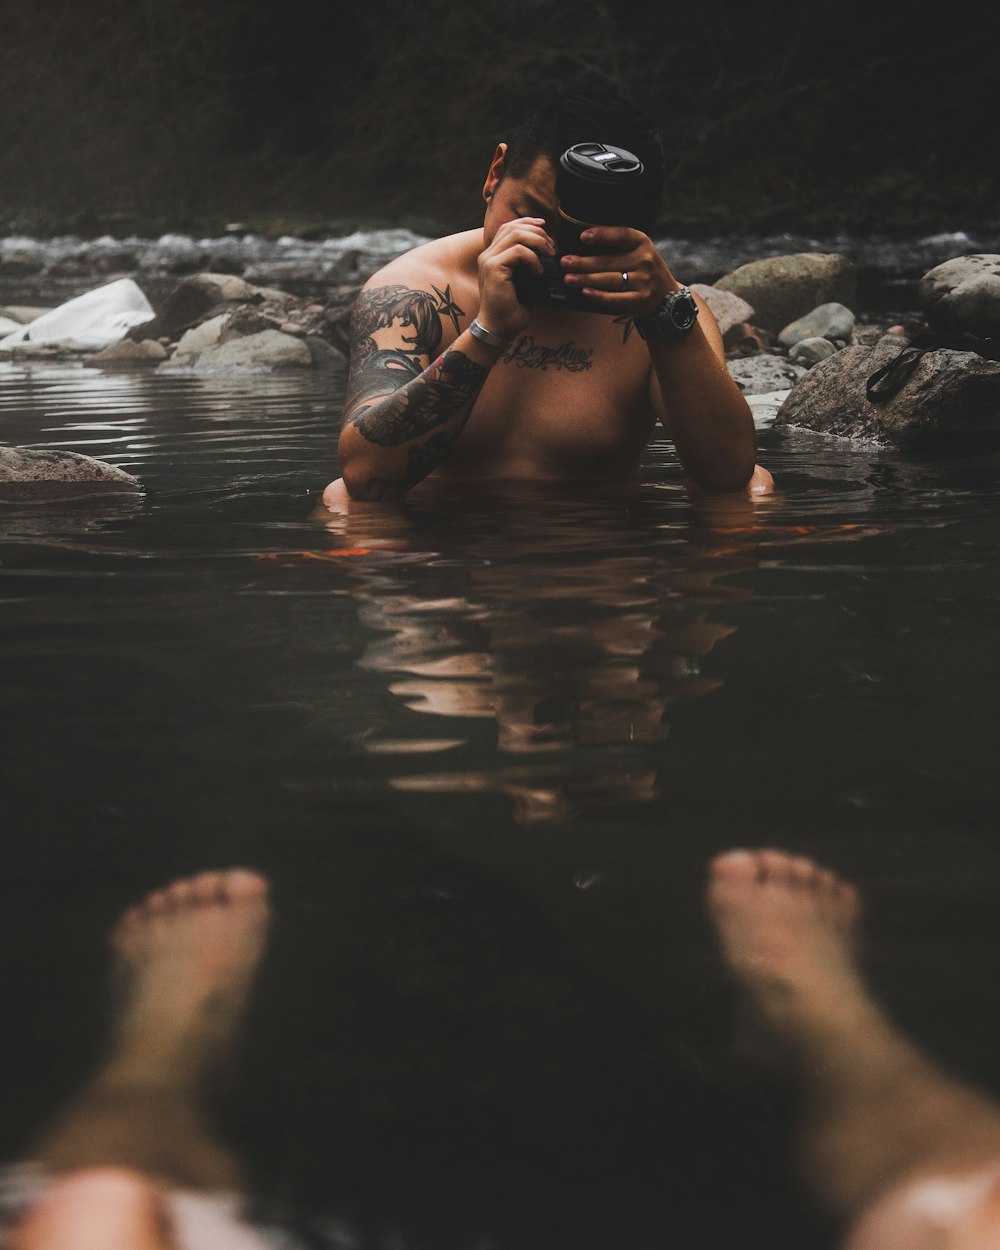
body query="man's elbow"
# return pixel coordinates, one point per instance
(361, 482)
(367, 481)
(727, 478)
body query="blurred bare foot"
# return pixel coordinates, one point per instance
(97, 1209)
(185, 960)
(787, 929)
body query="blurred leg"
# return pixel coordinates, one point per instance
(878, 1117)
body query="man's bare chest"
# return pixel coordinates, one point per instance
(560, 402)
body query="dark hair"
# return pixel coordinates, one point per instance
(590, 108)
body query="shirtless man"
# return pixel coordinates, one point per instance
(452, 375)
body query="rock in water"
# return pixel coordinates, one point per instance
(31, 475)
(948, 394)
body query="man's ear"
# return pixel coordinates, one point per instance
(496, 172)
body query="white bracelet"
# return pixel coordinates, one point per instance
(479, 331)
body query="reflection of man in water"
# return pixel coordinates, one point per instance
(136, 1165)
(562, 622)
(906, 1155)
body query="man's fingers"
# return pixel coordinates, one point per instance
(513, 255)
(626, 262)
(613, 238)
(614, 282)
(527, 230)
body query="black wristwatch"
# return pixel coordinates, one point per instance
(674, 318)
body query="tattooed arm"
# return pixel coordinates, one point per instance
(407, 402)
(415, 373)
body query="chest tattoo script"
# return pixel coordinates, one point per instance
(527, 354)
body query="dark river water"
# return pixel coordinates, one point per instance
(484, 746)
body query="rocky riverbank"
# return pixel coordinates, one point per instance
(794, 327)
(49, 271)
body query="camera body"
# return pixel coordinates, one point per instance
(597, 184)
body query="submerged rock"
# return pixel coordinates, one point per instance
(32, 475)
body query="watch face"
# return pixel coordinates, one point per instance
(683, 311)
(676, 315)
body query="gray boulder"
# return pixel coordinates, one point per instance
(811, 351)
(30, 475)
(128, 355)
(728, 309)
(202, 295)
(829, 321)
(949, 393)
(199, 338)
(963, 296)
(270, 349)
(764, 372)
(783, 288)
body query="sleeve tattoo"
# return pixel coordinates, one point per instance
(435, 397)
(379, 371)
(395, 399)
(429, 416)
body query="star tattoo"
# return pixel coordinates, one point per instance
(629, 324)
(447, 306)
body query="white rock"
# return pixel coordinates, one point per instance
(87, 323)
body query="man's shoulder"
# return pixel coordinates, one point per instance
(444, 260)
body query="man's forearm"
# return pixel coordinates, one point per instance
(389, 445)
(709, 420)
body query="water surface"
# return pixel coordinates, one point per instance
(484, 745)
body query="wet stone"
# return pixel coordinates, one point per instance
(33, 475)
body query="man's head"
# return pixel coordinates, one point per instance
(590, 109)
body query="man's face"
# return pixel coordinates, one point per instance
(533, 195)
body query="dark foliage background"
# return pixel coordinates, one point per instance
(136, 113)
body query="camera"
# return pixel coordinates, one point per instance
(597, 184)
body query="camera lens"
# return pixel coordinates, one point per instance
(597, 184)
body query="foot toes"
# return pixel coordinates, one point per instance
(154, 904)
(803, 872)
(776, 867)
(206, 888)
(737, 865)
(238, 884)
(180, 893)
(232, 885)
